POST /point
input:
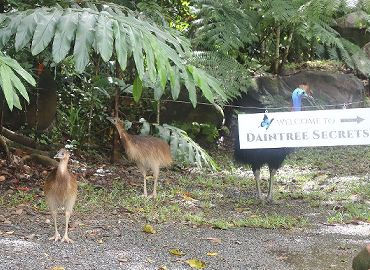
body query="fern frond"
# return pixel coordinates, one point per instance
(222, 26)
(233, 76)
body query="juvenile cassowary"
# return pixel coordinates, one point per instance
(60, 190)
(257, 158)
(148, 152)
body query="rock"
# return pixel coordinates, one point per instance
(184, 112)
(366, 49)
(328, 88)
(352, 27)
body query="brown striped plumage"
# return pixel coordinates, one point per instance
(148, 152)
(60, 190)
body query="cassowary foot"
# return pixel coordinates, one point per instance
(56, 237)
(67, 239)
(270, 200)
(153, 196)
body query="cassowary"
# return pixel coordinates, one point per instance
(148, 152)
(60, 190)
(257, 158)
(362, 259)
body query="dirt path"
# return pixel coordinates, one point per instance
(116, 243)
(110, 213)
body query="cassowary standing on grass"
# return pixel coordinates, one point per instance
(148, 152)
(257, 158)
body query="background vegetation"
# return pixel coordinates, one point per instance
(124, 57)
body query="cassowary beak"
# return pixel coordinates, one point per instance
(111, 119)
(59, 155)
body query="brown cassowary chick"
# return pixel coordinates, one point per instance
(60, 190)
(362, 259)
(148, 152)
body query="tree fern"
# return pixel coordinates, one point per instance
(234, 77)
(111, 30)
(223, 25)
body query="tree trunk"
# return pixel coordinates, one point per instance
(115, 144)
(287, 48)
(18, 138)
(5, 148)
(158, 111)
(277, 50)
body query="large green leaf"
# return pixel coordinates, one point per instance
(84, 39)
(19, 85)
(137, 51)
(45, 30)
(150, 60)
(189, 83)
(7, 32)
(175, 82)
(6, 85)
(104, 36)
(17, 67)
(137, 89)
(120, 45)
(64, 35)
(200, 80)
(25, 30)
(16, 101)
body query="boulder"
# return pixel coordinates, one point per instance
(353, 27)
(273, 93)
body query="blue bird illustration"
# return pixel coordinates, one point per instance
(266, 122)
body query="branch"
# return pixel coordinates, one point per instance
(21, 139)
(41, 159)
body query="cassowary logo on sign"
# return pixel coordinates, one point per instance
(266, 122)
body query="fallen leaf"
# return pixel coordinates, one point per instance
(23, 188)
(122, 260)
(176, 252)
(100, 241)
(47, 221)
(58, 268)
(163, 268)
(197, 264)
(149, 229)
(10, 232)
(7, 222)
(31, 236)
(213, 240)
(2, 178)
(212, 253)
(19, 211)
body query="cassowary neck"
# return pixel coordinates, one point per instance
(123, 135)
(62, 167)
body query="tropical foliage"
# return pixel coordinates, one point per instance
(159, 56)
(141, 52)
(12, 86)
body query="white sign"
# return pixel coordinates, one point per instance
(304, 128)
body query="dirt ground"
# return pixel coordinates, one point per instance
(321, 219)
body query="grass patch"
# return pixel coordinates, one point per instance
(273, 221)
(351, 212)
(336, 160)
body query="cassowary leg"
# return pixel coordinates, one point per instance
(272, 176)
(155, 175)
(257, 176)
(65, 237)
(56, 236)
(143, 171)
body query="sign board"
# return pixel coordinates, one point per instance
(304, 128)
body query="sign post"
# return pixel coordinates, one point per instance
(304, 128)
